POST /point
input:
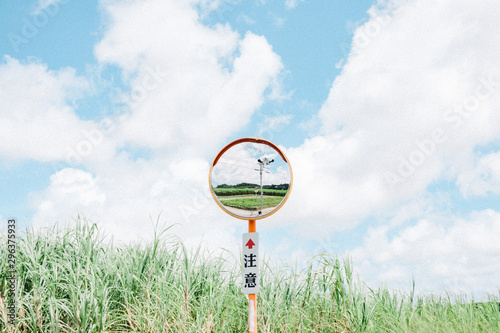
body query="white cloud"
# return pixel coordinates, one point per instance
(292, 3)
(274, 123)
(483, 178)
(329, 190)
(452, 254)
(416, 96)
(71, 190)
(279, 22)
(246, 19)
(418, 93)
(208, 81)
(37, 119)
(126, 197)
(191, 87)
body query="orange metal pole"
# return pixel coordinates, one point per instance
(252, 298)
(252, 226)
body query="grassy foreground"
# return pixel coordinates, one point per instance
(72, 281)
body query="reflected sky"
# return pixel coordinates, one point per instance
(239, 164)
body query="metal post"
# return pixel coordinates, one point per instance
(252, 298)
(261, 193)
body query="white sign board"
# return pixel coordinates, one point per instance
(250, 261)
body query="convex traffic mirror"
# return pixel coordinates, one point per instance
(250, 178)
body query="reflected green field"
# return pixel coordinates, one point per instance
(243, 191)
(252, 203)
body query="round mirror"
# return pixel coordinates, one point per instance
(250, 178)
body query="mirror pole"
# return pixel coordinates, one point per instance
(252, 226)
(252, 298)
(261, 193)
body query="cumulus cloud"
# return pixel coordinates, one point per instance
(451, 254)
(190, 86)
(70, 189)
(292, 3)
(415, 101)
(482, 178)
(37, 118)
(417, 95)
(127, 197)
(189, 83)
(328, 191)
(273, 123)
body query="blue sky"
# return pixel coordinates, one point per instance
(387, 111)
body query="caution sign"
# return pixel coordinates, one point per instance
(250, 262)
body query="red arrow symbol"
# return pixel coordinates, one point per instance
(250, 244)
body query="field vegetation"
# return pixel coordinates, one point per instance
(247, 188)
(252, 203)
(74, 280)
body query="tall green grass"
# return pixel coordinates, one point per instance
(72, 280)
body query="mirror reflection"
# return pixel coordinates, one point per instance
(251, 180)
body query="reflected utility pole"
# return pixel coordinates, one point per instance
(262, 164)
